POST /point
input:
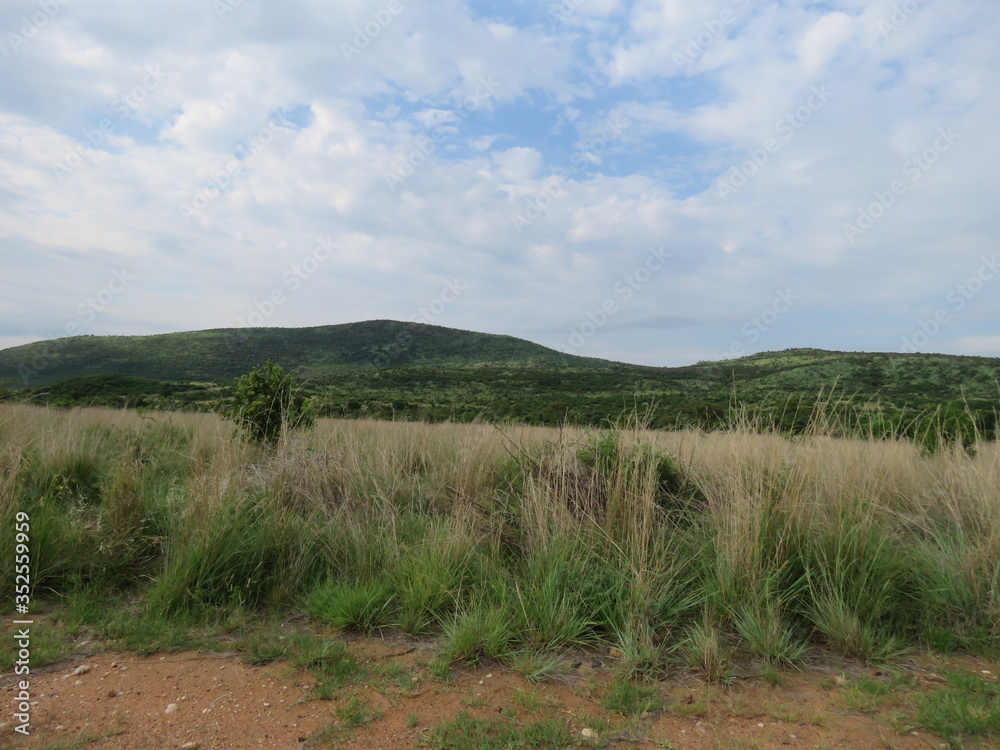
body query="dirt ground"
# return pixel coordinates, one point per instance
(216, 702)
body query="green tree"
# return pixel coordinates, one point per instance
(267, 401)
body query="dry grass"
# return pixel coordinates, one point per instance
(837, 539)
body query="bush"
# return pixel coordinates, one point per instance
(266, 402)
(619, 468)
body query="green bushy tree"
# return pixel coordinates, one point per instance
(266, 401)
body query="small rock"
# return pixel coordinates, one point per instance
(839, 680)
(614, 653)
(588, 734)
(171, 708)
(190, 746)
(78, 682)
(82, 669)
(596, 663)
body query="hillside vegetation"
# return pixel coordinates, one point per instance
(393, 370)
(225, 353)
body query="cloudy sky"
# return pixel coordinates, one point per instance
(660, 182)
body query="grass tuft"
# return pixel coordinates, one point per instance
(479, 636)
(362, 608)
(631, 699)
(967, 709)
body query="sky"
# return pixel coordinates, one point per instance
(659, 182)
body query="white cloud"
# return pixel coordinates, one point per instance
(517, 164)
(820, 42)
(653, 184)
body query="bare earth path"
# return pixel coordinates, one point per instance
(216, 702)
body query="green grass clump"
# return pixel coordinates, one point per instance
(558, 591)
(359, 607)
(538, 666)
(356, 712)
(245, 552)
(865, 695)
(705, 648)
(329, 661)
(429, 579)
(967, 709)
(478, 636)
(146, 631)
(631, 699)
(467, 732)
(768, 634)
(861, 590)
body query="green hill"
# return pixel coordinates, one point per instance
(389, 369)
(224, 353)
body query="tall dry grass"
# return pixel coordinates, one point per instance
(512, 540)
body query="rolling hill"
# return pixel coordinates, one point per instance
(390, 369)
(221, 354)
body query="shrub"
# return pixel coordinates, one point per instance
(266, 402)
(621, 468)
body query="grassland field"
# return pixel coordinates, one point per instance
(726, 553)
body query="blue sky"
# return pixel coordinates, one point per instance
(659, 182)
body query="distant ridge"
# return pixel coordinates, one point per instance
(385, 369)
(430, 361)
(220, 354)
